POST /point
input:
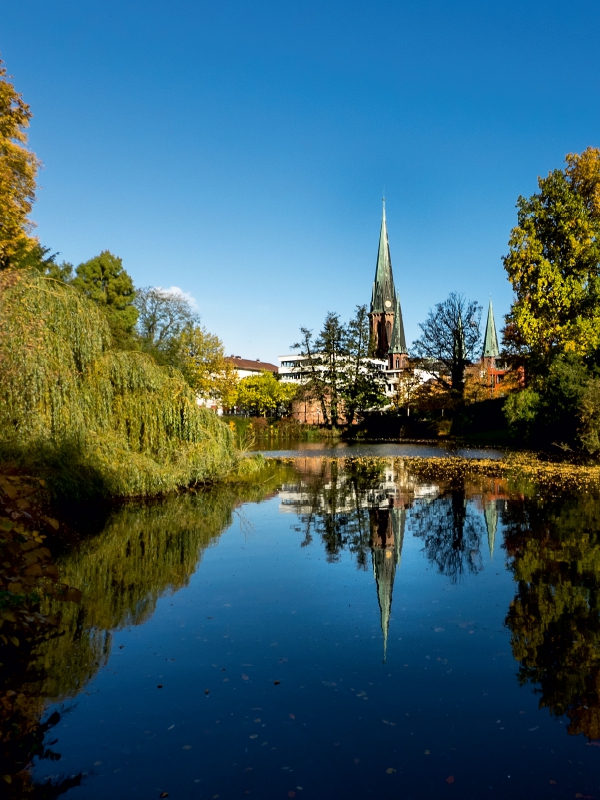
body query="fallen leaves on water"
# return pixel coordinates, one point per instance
(245, 677)
(450, 779)
(556, 474)
(276, 683)
(163, 794)
(390, 770)
(292, 716)
(159, 686)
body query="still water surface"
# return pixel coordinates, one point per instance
(334, 629)
(338, 449)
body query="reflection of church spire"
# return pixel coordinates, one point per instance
(490, 512)
(387, 536)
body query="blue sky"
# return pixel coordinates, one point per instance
(239, 150)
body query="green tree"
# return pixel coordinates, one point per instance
(265, 395)
(18, 169)
(104, 280)
(200, 356)
(336, 368)
(163, 316)
(450, 339)
(309, 372)
(551, 411)
(36, 256)
(553, 264)
(362, 382)
(331, 347)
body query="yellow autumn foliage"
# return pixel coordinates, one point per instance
(18, 169)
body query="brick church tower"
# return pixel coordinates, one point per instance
(387, 327)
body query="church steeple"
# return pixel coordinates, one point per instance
(398, 350)
(490, 340)
(383, 296)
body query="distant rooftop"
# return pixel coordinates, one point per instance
(252, 365)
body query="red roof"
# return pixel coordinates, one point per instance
(253, 366)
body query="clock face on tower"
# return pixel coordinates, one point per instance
(388, 303)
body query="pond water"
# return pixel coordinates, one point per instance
(293, 449)
(332, 629)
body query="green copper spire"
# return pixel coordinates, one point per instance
(385, 562)
(490, 512)
(490, 341)
(383, 299)
(398, 342)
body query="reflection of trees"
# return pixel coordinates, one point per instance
(451, 532)
(144, 551)
(554, 545)
(335, 497)
(22, 728)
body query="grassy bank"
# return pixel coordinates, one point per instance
(251, 431)
(87, 418)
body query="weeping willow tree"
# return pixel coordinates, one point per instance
(100, 421)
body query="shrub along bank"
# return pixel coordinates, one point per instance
(90, 419)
